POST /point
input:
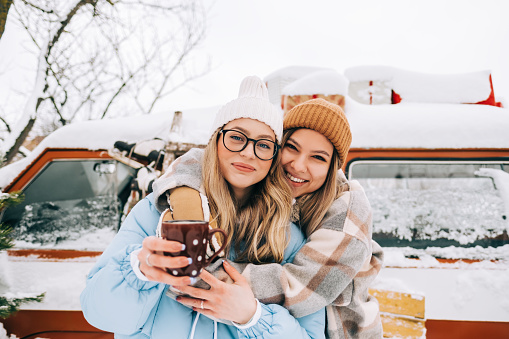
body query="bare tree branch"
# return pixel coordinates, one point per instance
(5, 5)
(108, 57)
(6, 124)
(48, 11)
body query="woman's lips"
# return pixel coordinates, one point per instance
(294, 181)
(243, 167)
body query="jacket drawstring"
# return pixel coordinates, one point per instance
(193, 329)
(191, 336)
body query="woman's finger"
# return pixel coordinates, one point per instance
(206, 312)
(160, 275)
(193, 302)
(210, 279)
(233, 273)
(157, 244)
(193, 292)
(198, 305)
(150, 259)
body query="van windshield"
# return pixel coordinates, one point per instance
(423, 204)
(72, 204)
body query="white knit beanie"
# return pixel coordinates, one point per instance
(253, 102)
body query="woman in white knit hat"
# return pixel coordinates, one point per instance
(245, 185)
(339, 261)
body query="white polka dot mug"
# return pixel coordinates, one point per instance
(196, 235)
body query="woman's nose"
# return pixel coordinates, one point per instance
(248, 151)
(299, 164)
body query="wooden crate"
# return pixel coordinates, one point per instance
(402, 314)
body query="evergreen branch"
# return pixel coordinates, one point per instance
(10, 305)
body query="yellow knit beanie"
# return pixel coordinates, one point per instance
(325, 118)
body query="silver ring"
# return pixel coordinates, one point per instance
(148, 262)
(201, 305)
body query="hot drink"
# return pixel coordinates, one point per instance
(196, 235)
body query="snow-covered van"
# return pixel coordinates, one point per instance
(432, 153)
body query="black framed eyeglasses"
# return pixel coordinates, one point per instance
(236, 141)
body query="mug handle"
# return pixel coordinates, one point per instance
(211, 234)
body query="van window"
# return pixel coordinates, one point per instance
(424, 204)
(68, 199)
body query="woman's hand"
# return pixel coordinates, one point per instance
(234, 302)
(153, 263)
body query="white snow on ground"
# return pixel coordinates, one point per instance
(61, 281)
(3, 333)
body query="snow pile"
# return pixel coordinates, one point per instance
(326, 82)
(5, 280)
(431, 88)
(501, 179)
(370, 73)
(62, 282)
(3, 333)
(470, 282)
(446, 88)
(397, 285)
(406, 257)
(412, 125)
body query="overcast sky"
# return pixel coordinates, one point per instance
(258, 37)
(432, 36)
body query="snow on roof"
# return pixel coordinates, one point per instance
(422, 87)
(405, 125)
(420, 125)
(293, 72)
(367, 73)
(102, 134)
(452, 88)
(324, 82)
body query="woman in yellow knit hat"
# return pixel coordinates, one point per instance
(126, 291)
(339, 260)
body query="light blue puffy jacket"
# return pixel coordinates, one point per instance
(116, 300)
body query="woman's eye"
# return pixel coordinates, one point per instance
(237, 138)
(290, 146)
(320, 158)
(263, 145)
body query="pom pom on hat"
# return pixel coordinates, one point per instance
(324, 117)
(253, 103)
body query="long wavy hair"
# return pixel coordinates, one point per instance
(314, 205)
(257, 230)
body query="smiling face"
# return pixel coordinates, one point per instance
(243, 169)
(306, 158)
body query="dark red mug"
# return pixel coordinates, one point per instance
(196, 235)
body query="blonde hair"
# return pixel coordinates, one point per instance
(314, 205)
(259, 227)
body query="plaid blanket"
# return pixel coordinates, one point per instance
(333, 269)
